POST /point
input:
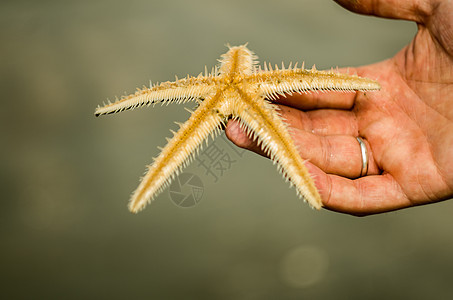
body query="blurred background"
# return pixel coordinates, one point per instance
(66, 176)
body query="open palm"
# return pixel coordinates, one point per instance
(407, 126)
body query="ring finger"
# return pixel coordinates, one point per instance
(335, 154)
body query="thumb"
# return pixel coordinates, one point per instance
(411, 10)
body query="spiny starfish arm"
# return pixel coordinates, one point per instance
(280, 82)
(178, 152)
(179, 91)
(261, 121)
(238, 60)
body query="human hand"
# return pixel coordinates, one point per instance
(407, 126)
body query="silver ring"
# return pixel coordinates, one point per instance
(364, 152)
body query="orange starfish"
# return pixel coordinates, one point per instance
(239, 90)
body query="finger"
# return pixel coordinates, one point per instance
(235, 134)
(364, 196)
(412, 10)
(316, 100)
(322, 121)
(328, 99)
(334, 154)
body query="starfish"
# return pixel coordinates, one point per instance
(241, 90)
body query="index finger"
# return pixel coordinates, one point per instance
(327, 99)
(318, 100)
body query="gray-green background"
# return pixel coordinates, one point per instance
(66, 176)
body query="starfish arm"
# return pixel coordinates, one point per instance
(261, 121)
(279, 82)
(178, 152)
(180, 91)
